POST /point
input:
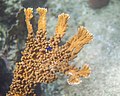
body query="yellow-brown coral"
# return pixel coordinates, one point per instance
(42, 58)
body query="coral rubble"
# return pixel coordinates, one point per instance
(43, 58)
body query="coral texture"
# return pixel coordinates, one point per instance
(43, 58)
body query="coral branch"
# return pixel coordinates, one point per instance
(76, 73)
(29, 15)
(41, 33)
(62, 24)
(60, 29)
(78, 41)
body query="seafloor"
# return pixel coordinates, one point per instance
(102, 54)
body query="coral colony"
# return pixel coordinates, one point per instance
(42, 58)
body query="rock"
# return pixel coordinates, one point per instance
(98, 3)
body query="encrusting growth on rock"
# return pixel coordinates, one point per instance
(42, 58)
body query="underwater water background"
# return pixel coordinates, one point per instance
(102, 54)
